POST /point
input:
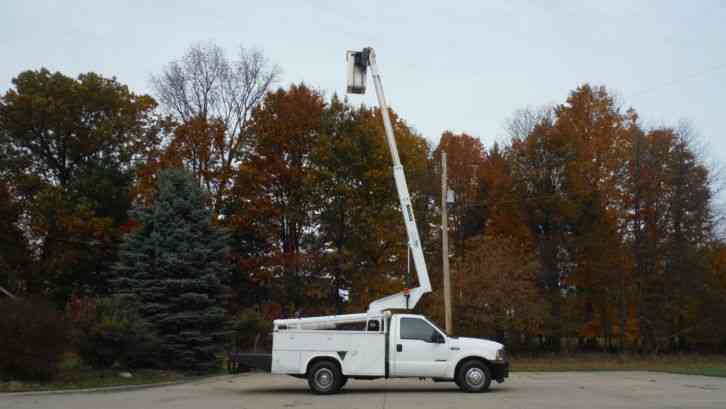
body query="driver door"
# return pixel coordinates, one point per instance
(415, 352)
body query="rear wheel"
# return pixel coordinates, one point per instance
(324, 378)
(473, 376)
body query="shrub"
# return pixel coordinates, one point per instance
(250, 328)
(110, 330)
(33, 337)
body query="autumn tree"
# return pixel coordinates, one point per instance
(197, 145)
(570, 171)
(465, 157)
(493, 210)
(671, 221)
(362, 240)
(499, 197)
(339, 159)
(600, 132)
(316, 208)
(707, 334)
(273, 195)
(538, 166)
(501, 297)
(213, 97)
(15, 260)
(70, 147)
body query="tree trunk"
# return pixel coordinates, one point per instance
(256, 342)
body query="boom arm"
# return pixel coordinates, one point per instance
(408, 298)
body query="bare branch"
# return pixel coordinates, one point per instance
(523, 120)
(207, 85)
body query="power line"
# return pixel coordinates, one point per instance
(527, 198)
(677, 81)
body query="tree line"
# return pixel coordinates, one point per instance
(584, 230)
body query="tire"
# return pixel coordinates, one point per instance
(345, 380)
(324, 378)
(473, 377)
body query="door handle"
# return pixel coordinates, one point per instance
(399, 348)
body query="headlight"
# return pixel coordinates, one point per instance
(501, 355)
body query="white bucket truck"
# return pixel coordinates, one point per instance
(329, 350)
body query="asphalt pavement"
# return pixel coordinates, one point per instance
(557, 390)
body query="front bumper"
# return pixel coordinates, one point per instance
(500, 370)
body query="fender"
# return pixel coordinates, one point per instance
(464, 347)
(316, 355)
(451, 370)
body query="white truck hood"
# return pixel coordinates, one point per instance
(476, 344)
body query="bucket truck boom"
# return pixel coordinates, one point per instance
(358, 62)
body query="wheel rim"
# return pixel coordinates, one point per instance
(324, 378)
(475, 377)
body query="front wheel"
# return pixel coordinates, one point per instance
(473, 376)
(325, 378)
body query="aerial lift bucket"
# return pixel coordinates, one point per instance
(357, 67)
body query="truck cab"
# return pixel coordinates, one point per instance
(330, 350)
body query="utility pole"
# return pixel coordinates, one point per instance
(445, 244)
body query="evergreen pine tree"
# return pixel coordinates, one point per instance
(174, 263)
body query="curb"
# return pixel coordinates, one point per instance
(120, 388)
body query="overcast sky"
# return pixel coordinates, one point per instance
(463, 66)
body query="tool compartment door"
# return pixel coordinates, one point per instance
(366, 356)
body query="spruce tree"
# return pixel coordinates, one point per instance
(174, 263)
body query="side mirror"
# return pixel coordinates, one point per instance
(437, 338)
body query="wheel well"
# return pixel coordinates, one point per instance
(471, 358)
(322, 359)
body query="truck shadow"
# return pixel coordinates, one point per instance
(366, 390)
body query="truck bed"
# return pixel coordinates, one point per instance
(360, 353)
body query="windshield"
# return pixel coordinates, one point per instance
(435, 325)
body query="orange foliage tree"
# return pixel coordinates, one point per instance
(273, 198)
(69, 151)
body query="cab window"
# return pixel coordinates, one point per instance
(416, 328)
